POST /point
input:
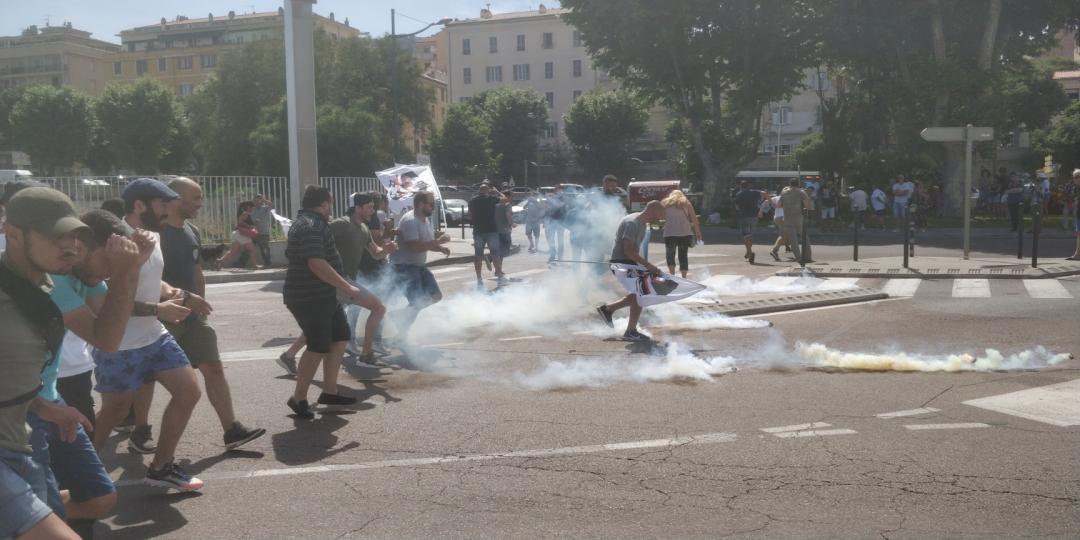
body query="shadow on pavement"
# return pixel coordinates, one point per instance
(310, 441)
(148, 512)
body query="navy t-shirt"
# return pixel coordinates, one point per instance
(747, 202)
(482, 209)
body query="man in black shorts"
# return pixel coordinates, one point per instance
(310, 292)
(416, 238)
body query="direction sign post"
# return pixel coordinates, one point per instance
(968, 135)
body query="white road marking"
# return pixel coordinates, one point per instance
(438, 345)
(816, 433)
(838, 306)
(971, 288)
(706, 438)
(238, 284)
(901, 287)
(521, 338)
(1056, 404)
(1046, 288)
(777, 282)
(837, 284)
(524, 273)
(796, 427)
(268, 353)
(909, 412)
(449, 269)
(957, 425)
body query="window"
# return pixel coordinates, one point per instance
(577, 38)
(494, 74)
(162, 65)
(781, 116)
(550, 98)
(549, 70)
(493, 44)
(466, 75)
(118, 68)
(521, 42)
(183, 62)
(466, 47)
(551, 130)
(784, 149)
(577, 68)
(577, 94)
(186, 89)
(208, 60)
(465, 99)
(548, 41)
(140, 67)
(521, 72)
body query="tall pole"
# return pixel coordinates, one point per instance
(393, 82)
(525, 163)
(300, 92)
(779, 131)
(967, 190)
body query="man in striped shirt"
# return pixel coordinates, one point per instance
(312, 280)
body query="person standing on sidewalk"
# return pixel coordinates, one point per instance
(858, 200)
(681, 229)
(180, 243)
(417, 238)
(485, 230)
(795, 201)
(830, 200)
(312, 280)
(879, 201)
(778, 220)
(148, 353)
(264, 223)
(1076, 216)
(748, 206)
(534, 214)
(42, 234)
(353, 238)
(902, 190)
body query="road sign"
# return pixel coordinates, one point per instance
(956, 134)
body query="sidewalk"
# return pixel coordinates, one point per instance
(939, 268)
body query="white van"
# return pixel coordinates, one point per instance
(11, 175)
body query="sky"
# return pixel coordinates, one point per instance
(106, 18)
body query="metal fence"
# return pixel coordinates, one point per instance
(221, 196)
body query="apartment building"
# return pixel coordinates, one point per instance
(184, 52)
(56, 55)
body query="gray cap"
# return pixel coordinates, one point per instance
(44, 210)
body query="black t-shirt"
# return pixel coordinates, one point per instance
(180, 249)
(748, 202)
(309, 238)
(482, 209)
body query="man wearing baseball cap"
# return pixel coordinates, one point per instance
(42, 233)
(1076, 204)
(148, 353)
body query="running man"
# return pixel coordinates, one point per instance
(416, 238)
(628, 237)
(180, 241)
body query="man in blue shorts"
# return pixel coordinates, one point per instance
(415, 239)
(42, 234)
(482, 208)
(147, 352)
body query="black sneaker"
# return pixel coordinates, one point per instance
(300, 409)
(127, 424)
(751, 258)
(634, 335)
(141, 441)
(334, 399)
(775, 255)
(605, 314)
(172, 476)
(288, 363)
(366, 361)
(238, 435)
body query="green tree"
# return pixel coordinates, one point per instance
(1062, 139)
(461, 148)
(53, 125)
(515, 118)
(8, 98)
(602, 128)
(139, 122)
(348, 141)
(269, 141)
(715, 64)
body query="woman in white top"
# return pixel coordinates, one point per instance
(681, 228)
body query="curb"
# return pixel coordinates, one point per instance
(278, 274)
(1051, 271)
(791, 302)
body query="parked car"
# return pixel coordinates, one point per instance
(456, 211)
(574, 189)
(11, 175)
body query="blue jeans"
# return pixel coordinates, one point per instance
(898, 209)
(490, 239)
(24, 489)
(74, 466)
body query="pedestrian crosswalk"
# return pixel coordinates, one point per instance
(962, 288)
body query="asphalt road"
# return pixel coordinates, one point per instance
(515, 414)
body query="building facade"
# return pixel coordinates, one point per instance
(184, 52)
(55, 55)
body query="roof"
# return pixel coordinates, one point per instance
(1058, 75)
(511, 15)
(218, 19)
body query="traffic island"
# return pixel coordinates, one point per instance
(938, 268)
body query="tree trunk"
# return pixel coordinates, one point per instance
(941, 53)
(710, 182)
(986, 50)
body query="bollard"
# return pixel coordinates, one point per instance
(855, 244)
(462, 222)
(1036, 228)
(804, 242)
(907, 237)
(1020, 233)
(911, 209)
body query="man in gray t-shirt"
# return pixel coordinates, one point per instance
(628, 237)
(412, 277)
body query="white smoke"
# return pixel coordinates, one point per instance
(819, 355)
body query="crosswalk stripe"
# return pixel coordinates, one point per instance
(1046, 288)
(971, 288)
(778, 281)
(902, 287)
(834, 284)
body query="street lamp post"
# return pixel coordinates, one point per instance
(393, 71)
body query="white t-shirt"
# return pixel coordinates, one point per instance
(858, 200)
(778, 209)
(878, 199)
(74, 356)
(3, 241)
(142, 331)
(906, 187)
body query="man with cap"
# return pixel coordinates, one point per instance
(180, 243)
(1076, 205)
(42, 236)
(9, 190)
(482, 208)
(353, 239)
(148, 353)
